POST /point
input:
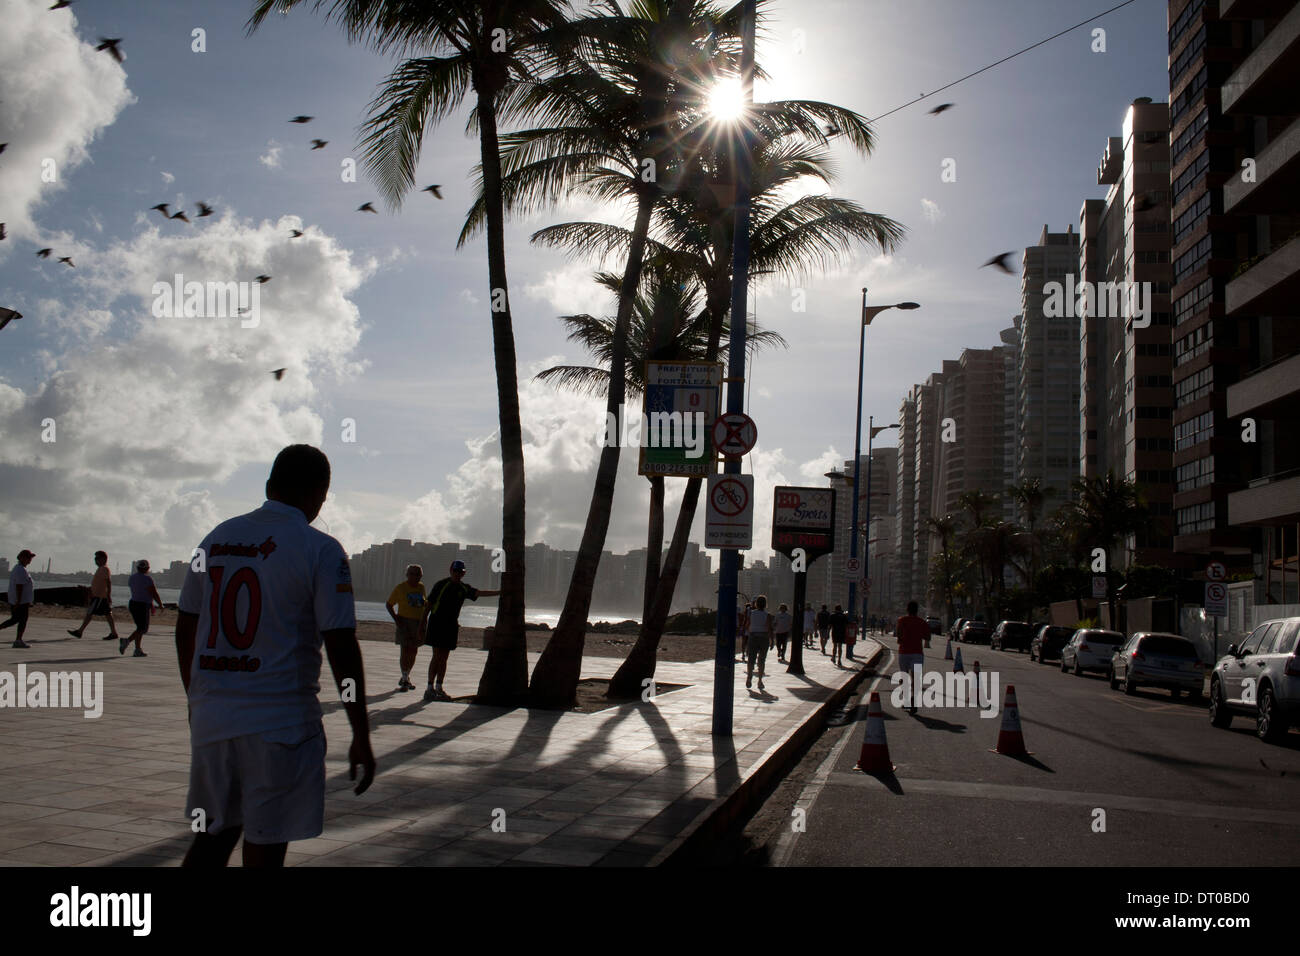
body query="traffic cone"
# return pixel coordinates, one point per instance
(1011, 742)
(947, 654)
(957, 667)
(875, 750)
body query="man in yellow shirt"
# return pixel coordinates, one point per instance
(101, 598)
(406, 607)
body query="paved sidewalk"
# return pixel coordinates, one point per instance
(617, 787)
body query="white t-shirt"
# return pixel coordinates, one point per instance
(20, 585)
(782, 621)
(274, 583)
(757, 621)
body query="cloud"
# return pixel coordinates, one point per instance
(468, 297)
(151, 414)
(271, 160)
(49, 124)
(572, 291)
(168, 178)
(930, 210)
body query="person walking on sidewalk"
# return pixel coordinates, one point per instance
(442, 623)
(21, 594)
(742, 628)
(824, 626)
(405, 605)
(809, 627)
(911, 632)
(248, 642)
(143, 596)
(839, 625)
(782, 622)
(760, 632)
(101, 598)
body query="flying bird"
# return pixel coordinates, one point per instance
(68, 260)
(60, 4)
(941, 108)
(302, 119)
(295, 233)
(44, 253)
(1001, 262)
(2, 147)
(367, 207)
(263, 280)
(111, 47)
(436, 190)
(2, 230)
(204, 210)
(7, 316)
(180, 214)
(319, 143)
(162, 208)
(278, 373)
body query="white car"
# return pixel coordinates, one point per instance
(1090, 649)
(1152, 659)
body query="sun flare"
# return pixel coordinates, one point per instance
(727, 100)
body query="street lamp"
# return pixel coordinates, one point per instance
(868, 313)
(872, 432)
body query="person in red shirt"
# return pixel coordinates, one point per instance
(911, 632)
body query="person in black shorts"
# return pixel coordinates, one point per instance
(441, 623)
(143, 596)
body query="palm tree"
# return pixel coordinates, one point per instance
(1031, 496)
(946, 529)
(1108, 509)
(667, 325)
(488, 46)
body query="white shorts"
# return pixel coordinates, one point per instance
(272, 784)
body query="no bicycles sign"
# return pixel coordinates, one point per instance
(729, 520)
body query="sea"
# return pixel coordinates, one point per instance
(472, 614)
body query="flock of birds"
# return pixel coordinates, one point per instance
(111, 46)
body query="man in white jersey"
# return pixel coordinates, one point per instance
(262, 593)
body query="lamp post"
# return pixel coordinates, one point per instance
(868, 313)
(872, 432)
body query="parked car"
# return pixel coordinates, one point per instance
(936, 625)
(1048, 641)
(1017, 634)
(1153, 659)
(1090, 649)
(975, 632)
(955, 631)
(1261, 679)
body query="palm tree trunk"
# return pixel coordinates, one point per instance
(654, 543)
(629, 679)
(555, 679)
(505, 677)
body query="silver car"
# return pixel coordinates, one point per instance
(1090, 649)
(1260, 678)
(1153, 659)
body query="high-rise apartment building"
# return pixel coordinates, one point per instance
(1047, 387)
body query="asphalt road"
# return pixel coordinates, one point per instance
(1175, 791)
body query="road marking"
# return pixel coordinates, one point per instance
(785, 843)
(1115, 801)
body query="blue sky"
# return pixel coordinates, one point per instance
(166, 425)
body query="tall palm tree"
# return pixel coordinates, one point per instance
(946, 528)
(1030, 496)
(489, 47)
(1109, 509)
(667, 325)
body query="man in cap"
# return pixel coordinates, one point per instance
(20, 596)
(441, 623)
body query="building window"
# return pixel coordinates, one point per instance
(1194, 386)
(1184, 59)
(1196, 518)
(1190, 176)
(1191, 303)
(1196, 474)
(1185, 20)
(1185, 224)
(1193, 344)
(1189, 137)
(1194, 431)
(1189, 95)
(1192, 259)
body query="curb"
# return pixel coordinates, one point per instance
(718, 816)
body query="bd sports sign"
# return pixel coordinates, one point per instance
(803, 518)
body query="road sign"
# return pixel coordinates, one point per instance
(681, 404)
(1216, 571)
(1099, 585)
(729, 519)
(734, 434)
(1216, 599)
(853, 565)
(803, 518)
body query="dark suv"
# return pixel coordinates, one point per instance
(1017, 634)
(975, 632)
(1048, 642)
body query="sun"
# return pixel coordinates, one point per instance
(726, 100)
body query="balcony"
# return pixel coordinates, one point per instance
(1262, 390)
(1267, 501)
(1271, 285)
(1247, 9)
(1277, 179)
(1264, 85)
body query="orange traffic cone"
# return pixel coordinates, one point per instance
(1011, 742)
(875, 750)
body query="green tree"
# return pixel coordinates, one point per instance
(1107, 510)
(452, 48)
